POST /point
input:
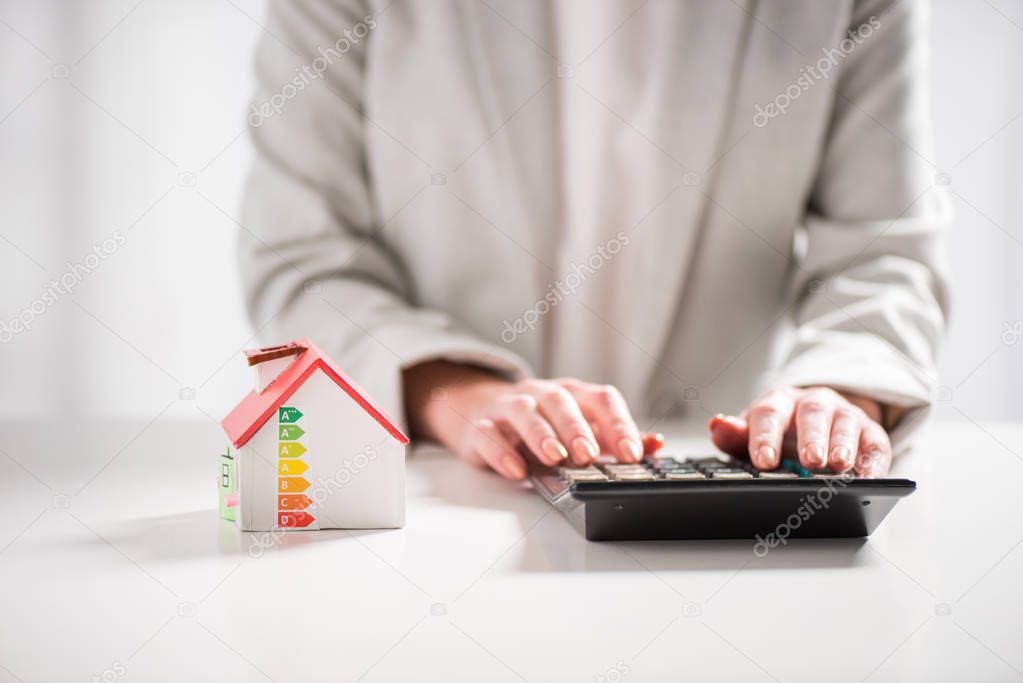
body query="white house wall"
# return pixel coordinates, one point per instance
(356, 469)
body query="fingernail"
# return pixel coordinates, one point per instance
(630, 449)
(513, 467)
(652, 442)
(843, 455)
(768, 457)
(553, 449)
(716, 420)
(585, 450)
(813, 455)
(870, 465)
(865, 460)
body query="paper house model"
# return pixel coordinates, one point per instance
(311, 450)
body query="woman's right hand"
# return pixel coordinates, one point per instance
(489, 421)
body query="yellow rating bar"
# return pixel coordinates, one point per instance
(289, 467)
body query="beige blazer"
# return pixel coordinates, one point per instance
(690, 200)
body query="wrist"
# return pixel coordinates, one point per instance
(442, 398)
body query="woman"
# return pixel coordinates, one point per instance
(521, 223)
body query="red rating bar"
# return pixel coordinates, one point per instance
(295, 520)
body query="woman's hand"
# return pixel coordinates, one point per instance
(490, 421)
(820, 426)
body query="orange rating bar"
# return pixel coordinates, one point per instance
(294, 519)
(292, 485)
(295, 501)
(289, 467)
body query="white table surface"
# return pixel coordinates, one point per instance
(114, 565)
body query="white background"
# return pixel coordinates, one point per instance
(106, 107)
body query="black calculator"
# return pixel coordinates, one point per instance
(716, 497)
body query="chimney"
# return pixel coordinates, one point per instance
(270, 362)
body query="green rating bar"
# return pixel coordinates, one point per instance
(290, 432)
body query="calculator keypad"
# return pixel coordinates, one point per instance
(669, 468)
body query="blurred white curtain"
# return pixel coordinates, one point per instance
(127, 117)
(978, 112)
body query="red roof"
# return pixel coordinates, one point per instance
(255, 409)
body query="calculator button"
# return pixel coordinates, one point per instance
(586, 477)
(712, 461)
(684, 475)
(582, 474)
(778, 475)
(632, 476)
(665, 462)
(732, 474)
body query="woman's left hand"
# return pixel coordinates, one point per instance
(817, 425)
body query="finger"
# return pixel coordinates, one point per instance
(652, 442)
(844, 441)
(769, 417)
(875, 452)
(814, 414)
(520, 412)
(563, 413)
(495, 450)
(617, 431)
(730, 434)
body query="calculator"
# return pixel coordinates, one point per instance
(715, 497)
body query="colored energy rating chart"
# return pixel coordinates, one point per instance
(292, 503)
